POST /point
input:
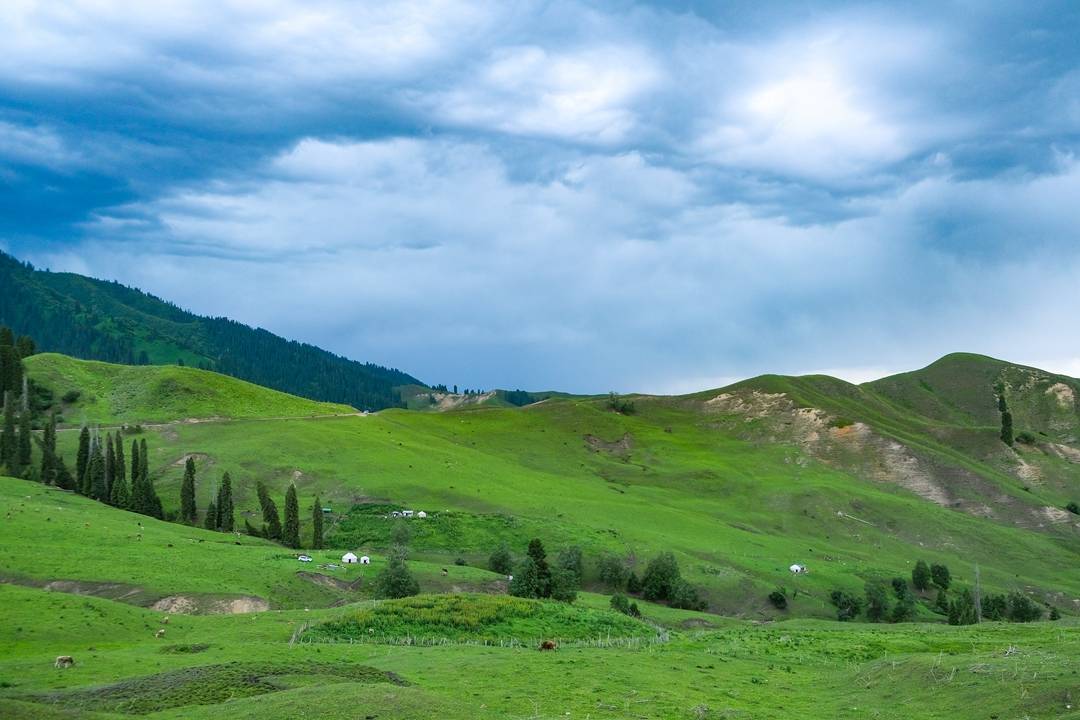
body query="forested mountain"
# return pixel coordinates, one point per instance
(99, 320)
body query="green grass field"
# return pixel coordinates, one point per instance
(738, 483)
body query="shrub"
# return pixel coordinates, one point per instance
(660, 577)
(633, 584)
(395, 580)
(778, 599)
(635, 612)
(995, 607)
(847, 605)
(612, 571)
(460, 562)
(1023, 609)
(941, 576)
(962, 609)
(623, 407)
(1025, 437)
(941, 604)
(501, 561)
(877, 601)
(71, 396)
(685, 596)
(620, 603)
(1073, 507)
(1054, 614)
(920, 576)
(564, 585)
(904, 609)
(569, 559)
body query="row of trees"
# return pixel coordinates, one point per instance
(101, 470)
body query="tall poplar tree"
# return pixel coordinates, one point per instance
(110, 467)
(271, 519)
(8, 445)
(317, 525)
(120, 470)
(188, 512)
(95, 473)
(119, 495)
(82, 459)
(210, 522)
(24, 454)
(225, 519)
(48, 451)
(291, 532)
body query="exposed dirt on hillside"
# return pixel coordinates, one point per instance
(1066, 398)
(197, 457)
(620, 448)
(450, 401)
(1065, 452)
(329, 582)
(204, 605)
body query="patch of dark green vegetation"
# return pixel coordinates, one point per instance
(185, 649)
(206, 685)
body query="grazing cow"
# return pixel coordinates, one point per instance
(160, 633)
(549, 645)
(63, 661)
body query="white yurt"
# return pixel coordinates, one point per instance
(365, 560)
(349, 558)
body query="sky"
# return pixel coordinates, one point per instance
(653, 197)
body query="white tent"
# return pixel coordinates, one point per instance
(797, 569)
(421, 514)
(348, 558)
(365, 560)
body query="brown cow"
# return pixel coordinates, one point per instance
(64, 661)
(549, 645)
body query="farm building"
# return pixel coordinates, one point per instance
(349, 558)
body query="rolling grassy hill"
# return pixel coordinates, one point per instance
(109, 394)
(740, 483)
(99, 320)
(460, 662)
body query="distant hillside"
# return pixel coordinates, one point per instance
(100, 320)
(102, 393)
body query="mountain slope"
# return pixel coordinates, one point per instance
(99, 320)
(113, 394)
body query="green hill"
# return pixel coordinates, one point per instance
(98, 320)
(107, 394)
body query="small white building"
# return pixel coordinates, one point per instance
(365, 560)
(421, 514)
(797, 569)
(349, 558)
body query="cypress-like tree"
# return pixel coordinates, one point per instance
(291, 532)
(188, 512)
(24, 454)
(543, 571)
(152, 501)
(48, 451)
(110, 467)
(210, 523)
(119, 495)
(317, 525)
(82, 459)
(120, 471)
(271, 520)
(225, 519)
(920, 576)
(1007, 428)
(95, 472)
(8, 445)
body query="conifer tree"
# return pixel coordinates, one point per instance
(25, 443)
(95, 472)
(8, 445)
(188, 512)
(110, 467)
(48, 451)
(271, 520)
(120, 471)
(317, 525)
(225, 518)
(61, 475)
(119, 495)
(82, 459)
(920, 576)
(210, 523)
(291, 531)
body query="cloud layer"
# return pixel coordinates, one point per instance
(560, 195)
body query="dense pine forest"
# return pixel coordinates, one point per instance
(100, 320)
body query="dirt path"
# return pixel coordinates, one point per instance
(201, 421)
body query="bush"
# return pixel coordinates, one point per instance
(660, 577)
(633, 584)
(904, 609)
(920, 576)
(71, 396)
(847, 605)
(564, 585)
(1023, 609)
(620, 603)
(501, 561)
(962, 609)
(395, 580)
(941, 604)
(1026, 437)
(612, 571)
(941, 576)
(685, 596)
(877, 601)
(569, 559)
(778, 599)
(460, 562)
(1074, 508)
(995, 607)
(623, 407)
